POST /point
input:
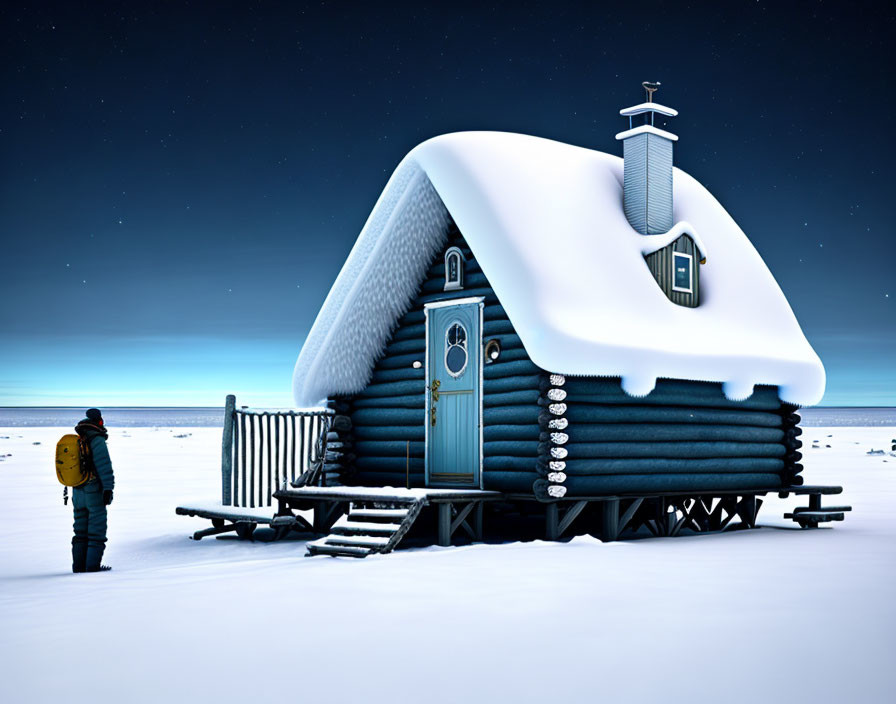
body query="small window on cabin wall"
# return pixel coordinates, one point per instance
(454, 269)
(682, 272)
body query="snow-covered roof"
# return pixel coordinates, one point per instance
(648, 107)
(545, 222)
(650, 129)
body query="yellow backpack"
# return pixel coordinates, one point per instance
(72, 461)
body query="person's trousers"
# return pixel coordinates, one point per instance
(89, 542)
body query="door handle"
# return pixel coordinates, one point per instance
(434, 392)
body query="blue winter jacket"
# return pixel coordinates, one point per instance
(99, 453)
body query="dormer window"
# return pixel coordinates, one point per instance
(682, 272)
(454, 269)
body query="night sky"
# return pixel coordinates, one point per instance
(181, 183)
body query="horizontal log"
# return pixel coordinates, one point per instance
(388, 464)
(511, 383)
(581, 414)
(508, 463)
(503, 367)
(510, 482)
(511, 448)
(579, 467)
(673, 450)
(387, 416)
(658, 432)
(512, 398)
(393, 388)
(391, 432)
(647, 483)
(390, 448)
(527, 431)
(517, 354)
(501, 326)
(414, 331)
(500, 415)
(399, 361)
(413, 345)
(415, 401)
(383, 376)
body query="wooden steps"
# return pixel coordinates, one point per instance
(371, 526)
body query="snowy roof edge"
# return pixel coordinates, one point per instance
(487, 183)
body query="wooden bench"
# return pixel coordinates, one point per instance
(243, 521)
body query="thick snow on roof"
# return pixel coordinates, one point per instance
(545, 221)
(649, 129)
(641, 108)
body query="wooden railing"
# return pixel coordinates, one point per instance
(263, 449)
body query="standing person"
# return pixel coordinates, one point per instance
(90, 499)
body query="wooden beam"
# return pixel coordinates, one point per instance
(552, 521)
(610, 520)
(227, 451)
(200, 534)
(571, 514)
(445, 525)
(460, 520)
(477, 520)
(628, 515)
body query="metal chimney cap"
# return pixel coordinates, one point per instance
(651, 87)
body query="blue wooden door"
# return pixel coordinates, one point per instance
(453, 373)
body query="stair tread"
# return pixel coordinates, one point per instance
(325, 541)
(344, 524)
(370, 541)
(338, 551)
(397, 513)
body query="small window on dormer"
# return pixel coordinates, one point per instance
(454, 269)
(682, 272)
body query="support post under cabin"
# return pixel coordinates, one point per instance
(444, 524)
(552, 521)
(227, 451)
(610, 520)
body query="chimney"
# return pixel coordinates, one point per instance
(647, 180)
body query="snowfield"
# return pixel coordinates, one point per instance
(776, 614)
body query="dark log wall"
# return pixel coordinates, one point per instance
(660, 263)
(683, 436)
(386, 441)
(561, 436)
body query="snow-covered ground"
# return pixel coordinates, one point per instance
(775, 614)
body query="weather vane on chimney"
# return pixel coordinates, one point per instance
(650, 87)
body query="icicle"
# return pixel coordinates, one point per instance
(557, 380)
(558, 424)
(556, 394)
(559, 438)
(557, 409)
(559, 453)
(556, 491)
(557, 465)
(557, 477)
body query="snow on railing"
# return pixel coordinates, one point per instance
(263, 449)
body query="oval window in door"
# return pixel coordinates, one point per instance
(456, 349)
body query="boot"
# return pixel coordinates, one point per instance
(79, 557)
(101, 568)
(94, 557)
